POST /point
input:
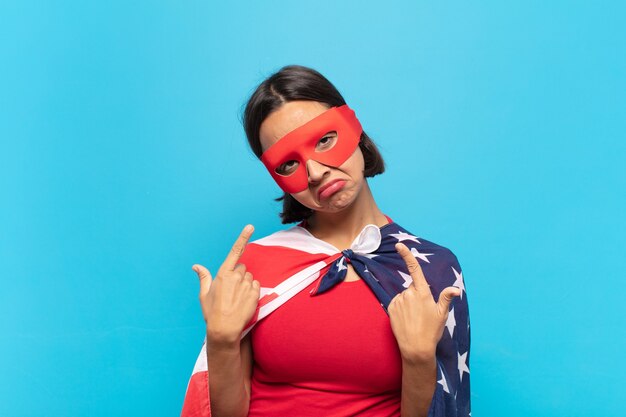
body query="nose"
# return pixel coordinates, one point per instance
(316, 171)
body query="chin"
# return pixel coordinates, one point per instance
(334, 205)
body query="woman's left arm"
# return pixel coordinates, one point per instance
(418, 385)
(428, 359)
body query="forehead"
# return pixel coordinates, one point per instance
(286, 118)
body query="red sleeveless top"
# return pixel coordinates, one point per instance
(333, 354)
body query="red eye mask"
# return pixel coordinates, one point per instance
(300, 145)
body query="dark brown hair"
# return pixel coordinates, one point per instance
(290, 83)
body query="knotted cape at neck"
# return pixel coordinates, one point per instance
(288, 261)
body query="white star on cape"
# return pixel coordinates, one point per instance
(367, 271)
(341, 266)
(462, 364)
(405, 236)
(407, 279)
(459, 281)
(443, 382)
(421, 256)
(451, 322)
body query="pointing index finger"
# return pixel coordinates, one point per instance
(237, 249)
(419, 281)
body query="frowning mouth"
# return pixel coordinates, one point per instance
(331, 188)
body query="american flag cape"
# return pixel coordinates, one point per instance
(288, 261)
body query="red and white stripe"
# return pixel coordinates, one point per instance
(278, 247)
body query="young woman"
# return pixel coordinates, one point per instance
(344, 314)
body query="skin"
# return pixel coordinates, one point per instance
(340, 218)
(229, 301)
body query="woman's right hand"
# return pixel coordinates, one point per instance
(230, 300)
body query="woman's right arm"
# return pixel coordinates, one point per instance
(228, 304)
(230, 372)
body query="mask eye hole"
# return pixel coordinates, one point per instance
(287, 168)
(327, 142)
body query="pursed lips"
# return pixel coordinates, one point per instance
(325, 186)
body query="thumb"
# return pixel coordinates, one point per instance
(446, 297)
(203, 275)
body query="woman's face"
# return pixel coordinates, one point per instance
(330, 189)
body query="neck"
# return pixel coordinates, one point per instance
(341, 228)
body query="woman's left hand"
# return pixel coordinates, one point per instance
(417, 321)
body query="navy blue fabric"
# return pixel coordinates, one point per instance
(381, 272)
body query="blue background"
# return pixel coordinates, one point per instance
(123, 162)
